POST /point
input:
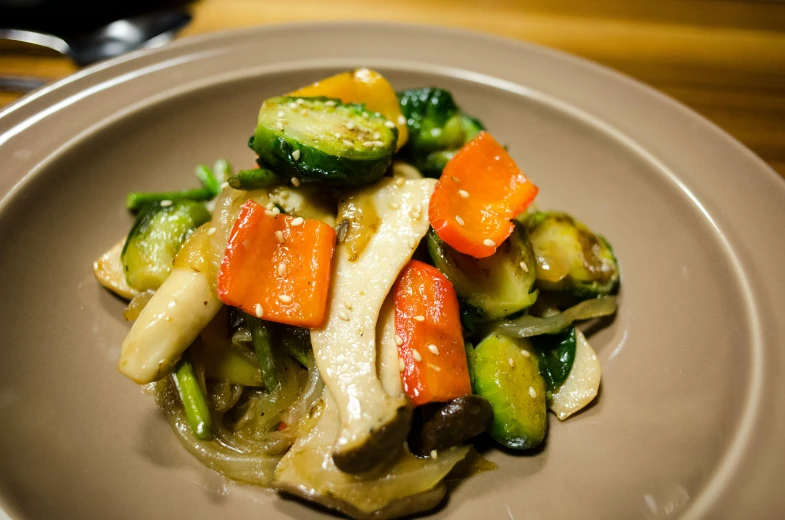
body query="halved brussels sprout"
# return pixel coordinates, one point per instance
(571, 259)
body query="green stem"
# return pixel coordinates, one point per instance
(138, 199)
(208, 179)
(262, 337)
(194, 402)
(255, 179)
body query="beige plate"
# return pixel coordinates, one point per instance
(691, 418)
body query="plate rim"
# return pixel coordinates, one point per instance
(51, 96)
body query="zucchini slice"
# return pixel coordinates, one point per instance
(155, 238)
(324, 141)
(505, 371)
(496, 286)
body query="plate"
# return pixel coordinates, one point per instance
(689, 422)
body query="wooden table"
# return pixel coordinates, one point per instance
(724, 58)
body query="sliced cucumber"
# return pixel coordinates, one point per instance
(157, 235)
(505, 371)
(496, 286)
(322, 140)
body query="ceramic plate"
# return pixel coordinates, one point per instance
(690, 420)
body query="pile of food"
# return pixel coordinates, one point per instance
(341, 321)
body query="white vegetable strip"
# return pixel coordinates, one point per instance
(108, 269)
(177, 312)
(387, 362)
(582, 384)
(345, 350)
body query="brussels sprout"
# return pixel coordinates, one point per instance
(437, 128)
(571, 259)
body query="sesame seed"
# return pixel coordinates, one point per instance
(348, 143)
(525, 353)
(398, 340)
(399, 181)
(378, 144)
(304, 112)
(166, 203)
(329, 103)
(419, 318)
(394, 205)
(401, 365)
(281, 113)
(412, 243)
(464, 194)
(459, 220)
(279, 125)
(389, 124)
(434, 454)
(284, 195)
(281, 269)
(377, 135)
(296, 155)
(350, 125)
(337, 135)
(454, 178)
(296, 221)
(434, 367)
(269, 212)
(276, 211)
(347, 304)
(524, 267)
(488, 242)
(511, 362)
(270, 205)
(368, 144)
(418, 208)
(295, 182)
(342, 314)
(300, 101)
(211, 231)
(416, 355)
(433, 349)
(401, 120)
(532, 392)
(279, 236)
(258, 310)
(292, 105)
(224, 185)
(366, 115)
(415, 214)
(285, 298)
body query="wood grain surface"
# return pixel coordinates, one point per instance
(723, 58)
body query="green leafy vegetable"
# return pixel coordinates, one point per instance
(194, 402)
(557, 355)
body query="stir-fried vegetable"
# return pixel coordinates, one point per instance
(256, 179)
(581, 386)
(452, 424)
(557, 355)
(527, 326)
(496, 286)
(155, 239)
(194, 403)
(480, 191)
(570, 258)
(428, 323)
(437, 127)
(374, 424)
(506, 373)
(277, 267)
(109, 272)
(324, 141)
(365, 87)
(338, 369)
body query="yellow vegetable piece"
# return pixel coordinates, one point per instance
(362, 86)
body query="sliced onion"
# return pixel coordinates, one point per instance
(527, 326)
